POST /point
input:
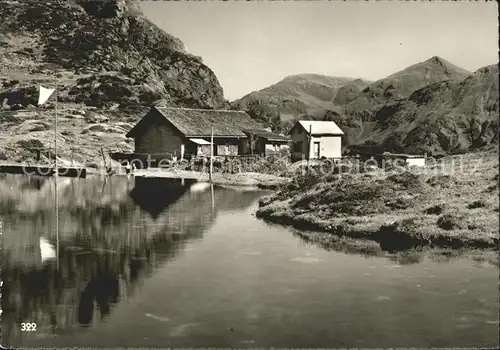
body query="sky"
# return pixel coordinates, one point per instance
(251, 45)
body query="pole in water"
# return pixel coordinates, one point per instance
(212, 195)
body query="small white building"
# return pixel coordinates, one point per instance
(408, 159)
(316, 139)
(416, 161)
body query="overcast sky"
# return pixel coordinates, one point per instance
(251, 45)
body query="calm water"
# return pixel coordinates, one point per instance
(165, 263)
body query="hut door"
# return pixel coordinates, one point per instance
(316, 150)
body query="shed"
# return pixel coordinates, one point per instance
(266, 142)
(312, 139)
(408, 159)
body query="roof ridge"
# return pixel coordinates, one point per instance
(202, 109)
(331, 126)
(317, 121)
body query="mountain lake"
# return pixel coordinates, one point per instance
(145, 262)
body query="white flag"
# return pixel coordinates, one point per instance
(44, 95)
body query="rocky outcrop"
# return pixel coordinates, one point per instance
(450, 116)
(93, 38)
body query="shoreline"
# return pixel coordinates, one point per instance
(388, 238)
(454, 206)
(247, 179)
(243, 179)
(371, 249)
(396, 211)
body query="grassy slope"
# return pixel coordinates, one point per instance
(453, 203)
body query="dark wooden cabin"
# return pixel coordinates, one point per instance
(180, 133)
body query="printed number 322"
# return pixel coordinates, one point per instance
(28, 327)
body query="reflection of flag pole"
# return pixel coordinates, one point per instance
(212, 194)
(43, 96)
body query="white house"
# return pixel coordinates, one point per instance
(408, 159)
(416, 161)
(316, 139)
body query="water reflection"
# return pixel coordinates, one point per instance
(155, 195)
(369, 249)
(135, 273)
(113, 234)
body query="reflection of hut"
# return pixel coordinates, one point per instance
(154, 195)
(126, 246)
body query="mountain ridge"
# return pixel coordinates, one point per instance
(293, 95)
(95, 37)
(414, 97)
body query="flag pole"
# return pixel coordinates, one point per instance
(211, 154)
(55, 132)
(44, 95)
(309, 139)
(56, 173)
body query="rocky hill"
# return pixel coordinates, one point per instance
(432, 106)
(109, 62)
(401, 84)
(448, 116)
(448, 112)
(296, 95)
(349, 92)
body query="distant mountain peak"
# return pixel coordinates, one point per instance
(437, 60)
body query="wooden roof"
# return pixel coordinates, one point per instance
(268, 135)
(403, 155)
(199, 122)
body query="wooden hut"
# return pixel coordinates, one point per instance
(177, 133)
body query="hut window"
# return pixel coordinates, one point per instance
(297, 146)
(227, 148)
